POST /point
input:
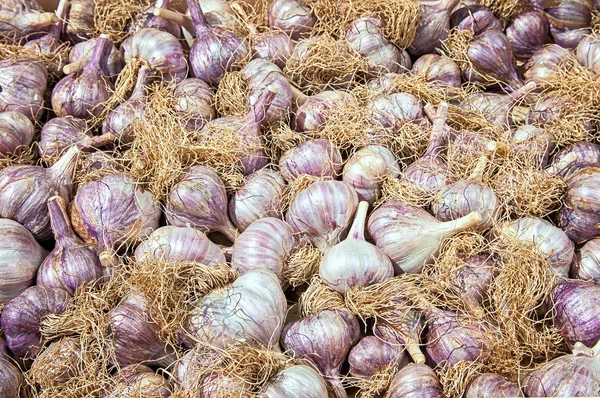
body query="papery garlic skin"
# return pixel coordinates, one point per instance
(21, 18)
(299, 381)
(16, 132)
(138, 380)
(266, 244)
(194, 98)
(489, 385)
(476, 18)
(575, 157)
(393, 110)
(81, 53)
(433, 27)
(275, 46)
(438, 70)
(292, 17)
(473, 280)
(259, 197)
(318, 157)
(57, 363)
(579, 216)
(576, 306)
(315, 110)
(527, 33)
(588, 52)
(372, 355)
(24, 81)
(366, 169)
(252, 310)
(10, 374)
(587, 263)
(80, 22)
(20, 258)
(415, 381)
(60, 133)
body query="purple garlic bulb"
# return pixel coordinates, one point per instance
(80, 24)
(491, 56)
(200, 200)
(324, 339)
(134, 334)
(149, 19)
(24, 192)
(114, 212)
(571, 375)
(415, 381)
(292, 17)
(579, 217)
(194, 99)
(410, 236)
(314, 111)
(121, 121)
(569, 21)
(296, 381)
(23, 81)
(489, 385)
(20, 19)
(373, 355)
(322, 212)
(433, 27)
(215, 50)
(60, 133)
(533, 144)
(81, 53)
(472, 281)
(83, 93)
(527, 33)
(266, 243)
(58, 362)
(588, 52)
(587, 263)
(452, 338)
(71, 263)
(16, 132)
(549, 108)
(22, 317)
(545, 63)
(354, 262)
(476, 18)
(364, 35)
(406, 329)
(10, 374)
(576, 308)
(438, 70)
(259, 197)
(393, 110)
(138, 380)
(318, 157)
(275, 46)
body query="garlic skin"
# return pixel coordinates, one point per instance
(161, 51)
(476, 18)
(134, 334)
(22, 317)
(259, 197)
(415, 381)
(57, 363)
(322, 212)
(546, 238)
(81, 53)
(24, 81)
(366, 168)
(292, 17)
(16, 132)
(315, 110)
(20, 258)
(114, 212)
(588, 52)
(148, 19)
(138, 380)
(299, 381)
(252, 310)
(489, 385)
(24, 192)
(438, 70)
(194, 99)
(265, 244)
(219, 13)
(579, 217)
(587, 262)
(569, 21)
(200, 200)
(433, 27)
(275, 46)
(71, 263)
(527, 33)
(364, 35)
(60, 133)
(573, 158)
(21, 18)
(318, 157)
(473, 280)
(175, 244)
(575, 308)
(11, 376)
(545, 64)
(410, 236)
(354, 262)
(393, 110)
(571, 375)
(373, 355)
(324, 339)
(532, 140)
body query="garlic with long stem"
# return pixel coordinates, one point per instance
(23, 81)
(318, 157)
(16, 132)
(81, 53)
(354, 262)
(60, 133)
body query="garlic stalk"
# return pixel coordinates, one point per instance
(81, 53)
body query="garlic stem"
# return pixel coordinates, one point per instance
(477, 173)
(61, 14)
(63, 170)
(99, 141)
(414, 350)
(183, 20)
(436, 142)
(139, 91)
(61, 226)
(198, 18)
(298, 96)
(75, 66)
(523, 91)
(357, 231)
(335, 381)
(460, 224)
(258, 113)
(99, 59)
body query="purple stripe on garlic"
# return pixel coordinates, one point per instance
(576, 312)
(439, 70)
(476, 18)
(527, 33)
(318, 157)
(314, 111)
(24, 82)
(579, 217)
(60, 133)
(16, 132)
(433, 27)
(415, 381)
(489, 385)
(373, 355)
(293, 17)
(296, 381)
(81, 53)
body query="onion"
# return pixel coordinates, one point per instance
(414, 381)
(373, 355)
(24, 81)
(433, 26)
(296, 381)
(576, 307)
(587, 263)
(489, 385)
(16, 132)
(60, 133)
(318, 157)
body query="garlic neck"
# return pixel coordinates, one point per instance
(453, 227)
(357, 231)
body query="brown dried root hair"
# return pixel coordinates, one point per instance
(111, 17)
(318, 297)
(24, 155)
(506, 10)
(53, 62)
(302, 264)
(232, 95)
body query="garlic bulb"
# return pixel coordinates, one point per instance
(476, 18)
(138, 380)
(587, 263)
(461, 198)
(472, 280)
(588, 52)
(489, 385)
(200, 200)
(300, 381)
(175, 244)
(433, 27)
(406, 330)
(410, 236)
(57, 363)
(81, 53)
(322, 212)
(318, 157)
(367, 167)
(438, 70)
(24, 191)
(533, 143)
(579, 217)
(194, 98)
(60, 133)
(16, 132)
(21, 18)
(314, 111)
(20, 258)
(71, 263)
(24, 81)
(575, 157)
(415, 381)
(543, 66)
(220, 13)
(575, 308)
(373, 355)
(80, 23)
(393, 110)
(569, 21)
(10, 375)
(266, 244)
(149, 19)
(159, 50)
(545, 237)
(83, 93)
(252, 310)
(274, 46)
(292, 17)
(114, 212)
(134, 334)
(354, 262)
(324, 339)
(22, 317)
(259, 197)
(527, 33)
